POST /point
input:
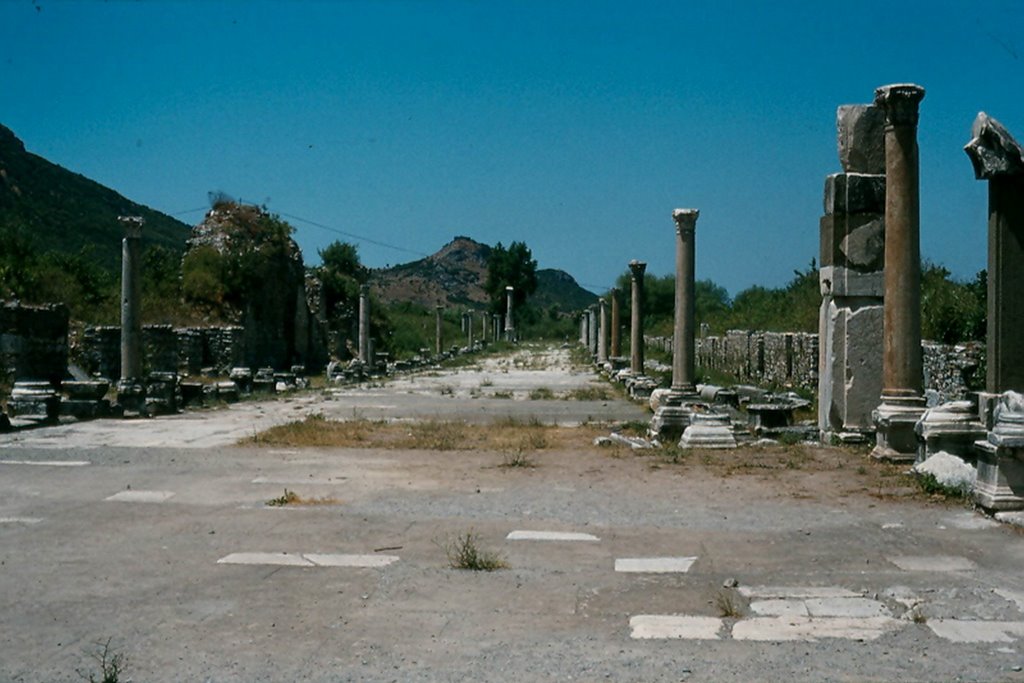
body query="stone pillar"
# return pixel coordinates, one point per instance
(583, 327)
(364, 323)
(496, 326)
(999, 158)
(852, 257)
(593, 327)
(602, 333)
(510, 330)
(684, 331)
(902, 371)
(483, 327)
(616, 349)
(438, 330)
(1000, 483)
(636, 332)
(469, 329)
(131, 391)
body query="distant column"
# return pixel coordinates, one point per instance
(592, 341)
(636, 332)
(510, 330)
(496, 322)
(684, 331)
(364, 323)
(438, 330)
(902, 370)
(469, 329)
(602, 333)
(999, 158)
(131, 299)
(616, 349)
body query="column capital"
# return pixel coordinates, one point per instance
(637, 268)
(900, 103)
(132, 225)
(686, 220)
(992, 150)
(364, 289)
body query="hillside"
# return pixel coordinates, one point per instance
(64, 211)
(455, 276)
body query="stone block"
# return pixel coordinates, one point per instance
(839, 281)
(855, 241)
(1000, 483)
(854, 193)
(851, 381)
(85, 409)
(708, 431)
(952, 428)
(861, 131)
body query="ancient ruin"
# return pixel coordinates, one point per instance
(636, 331)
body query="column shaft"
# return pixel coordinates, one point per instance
(616, 333)
(636, 332)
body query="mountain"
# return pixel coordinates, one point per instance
(61, 210)
(456, 274)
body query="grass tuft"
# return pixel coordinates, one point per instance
(112, 665)
(727, 605)
(464, 552)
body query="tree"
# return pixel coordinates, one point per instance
(514, 266)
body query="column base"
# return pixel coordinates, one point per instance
(674, 414)
(951, 427)
(708, 431)
(1000, 484)
(895, 419)
(131, 398)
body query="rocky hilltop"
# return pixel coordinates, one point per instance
(65, 211)
(455, 276)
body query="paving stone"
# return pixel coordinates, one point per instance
(789, 592)
(283, 559)
(779, 608)
(970, 631)
(298, 481)
(309, 559)
(846, 607)
(140, 496)
(550, 536)
(321, 560)
(657, 626)
(812, 628)
(932, 563)
(20, 520)
(654, 565)
(47, 463)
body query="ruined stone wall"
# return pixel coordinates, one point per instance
(165, 349)
(33, 342)
(100, 351)
(790, 359)
(160, 348)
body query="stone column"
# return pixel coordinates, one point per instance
(496, 326)
(131, 391)
(438, 330)
(483, 327)
(469, 329)
(510, 330)
(999, 158)
(593, 327)
(364, 323)
(616, 349)
(902, 371)
(684, 331)
(636, 332)
(602, 333)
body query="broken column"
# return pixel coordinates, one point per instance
(131, 391)
(602, 332)
(997, 157)
(438, 330)
(852, 258)
(636, 332)
(510, 330)
(364, 323)
(616, 332)
(902, 371)
(673, 414)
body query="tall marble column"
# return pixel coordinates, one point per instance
(902, 370)
(592, 342)
(684, 332)
(364, 323)
(616, 348)
(636, 332)
(131, 392)
(602, 332)
(510, 330)
(999, 158)
(469, 329)
(438, 330)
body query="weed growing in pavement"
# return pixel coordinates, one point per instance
(591, 393)
(727, 605)
(292, 498)
(502, 394)
(517, 458)
(542, 394)
(112, 665)
(464, 552)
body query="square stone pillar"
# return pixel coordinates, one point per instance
(997, 157)
(1000, 483)
(902, 364)
(852, 257)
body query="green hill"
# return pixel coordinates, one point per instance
(57, 209)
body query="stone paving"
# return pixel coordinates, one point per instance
(617, 570)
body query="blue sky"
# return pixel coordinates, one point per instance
(576, 127)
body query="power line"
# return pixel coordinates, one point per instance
(351, 235)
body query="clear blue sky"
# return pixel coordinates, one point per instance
(576, 127)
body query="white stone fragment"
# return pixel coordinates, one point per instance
(932, 563)
(846, 607)
(47, 463)
(654, 565)
(281, 559)
(969, 631)
(328, 560)
(949, 471)
(812, 628)
(663, 626)
(140, 496)
(20, 520)
(550, 536)
(1013, 596)
(790, 592)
